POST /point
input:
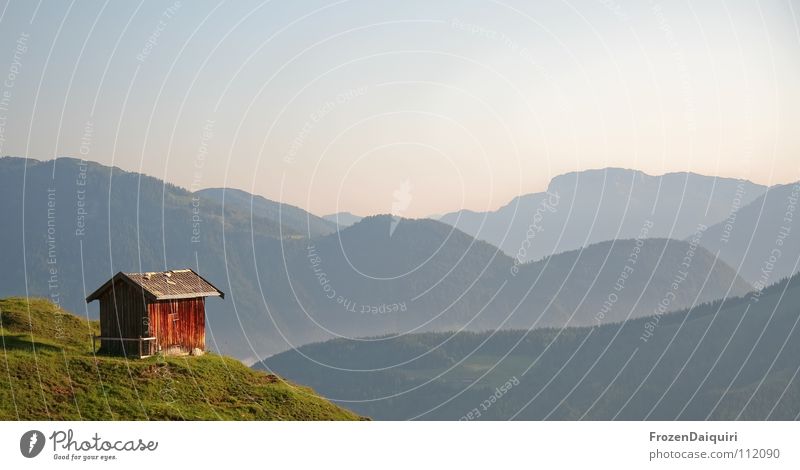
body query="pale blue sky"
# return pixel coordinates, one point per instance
(335, 105)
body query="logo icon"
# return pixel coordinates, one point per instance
(31, 443)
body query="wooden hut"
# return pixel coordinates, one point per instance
(142, 314)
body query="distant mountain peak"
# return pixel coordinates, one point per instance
(598, 173)
(342, 219)
(585, 207)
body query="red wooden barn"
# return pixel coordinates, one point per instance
(142, 314)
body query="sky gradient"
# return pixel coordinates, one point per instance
(413, 107)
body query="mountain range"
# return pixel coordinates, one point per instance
(425, 276)
(292, 278)
(724, 360)
(582, 208)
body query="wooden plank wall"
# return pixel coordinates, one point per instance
(179, 323)
(122, 315)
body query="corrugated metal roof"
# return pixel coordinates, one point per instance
(164, 285)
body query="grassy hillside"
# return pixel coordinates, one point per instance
(49, 372)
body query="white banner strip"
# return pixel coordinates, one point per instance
(401, 445)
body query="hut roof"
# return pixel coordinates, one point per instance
(164, 285)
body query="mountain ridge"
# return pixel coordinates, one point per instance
(724, 360)
(287, 215)
(343, 219)
(389, 275)
(761, 239)
(611, 203)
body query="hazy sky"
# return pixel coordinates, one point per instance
(415, 107)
